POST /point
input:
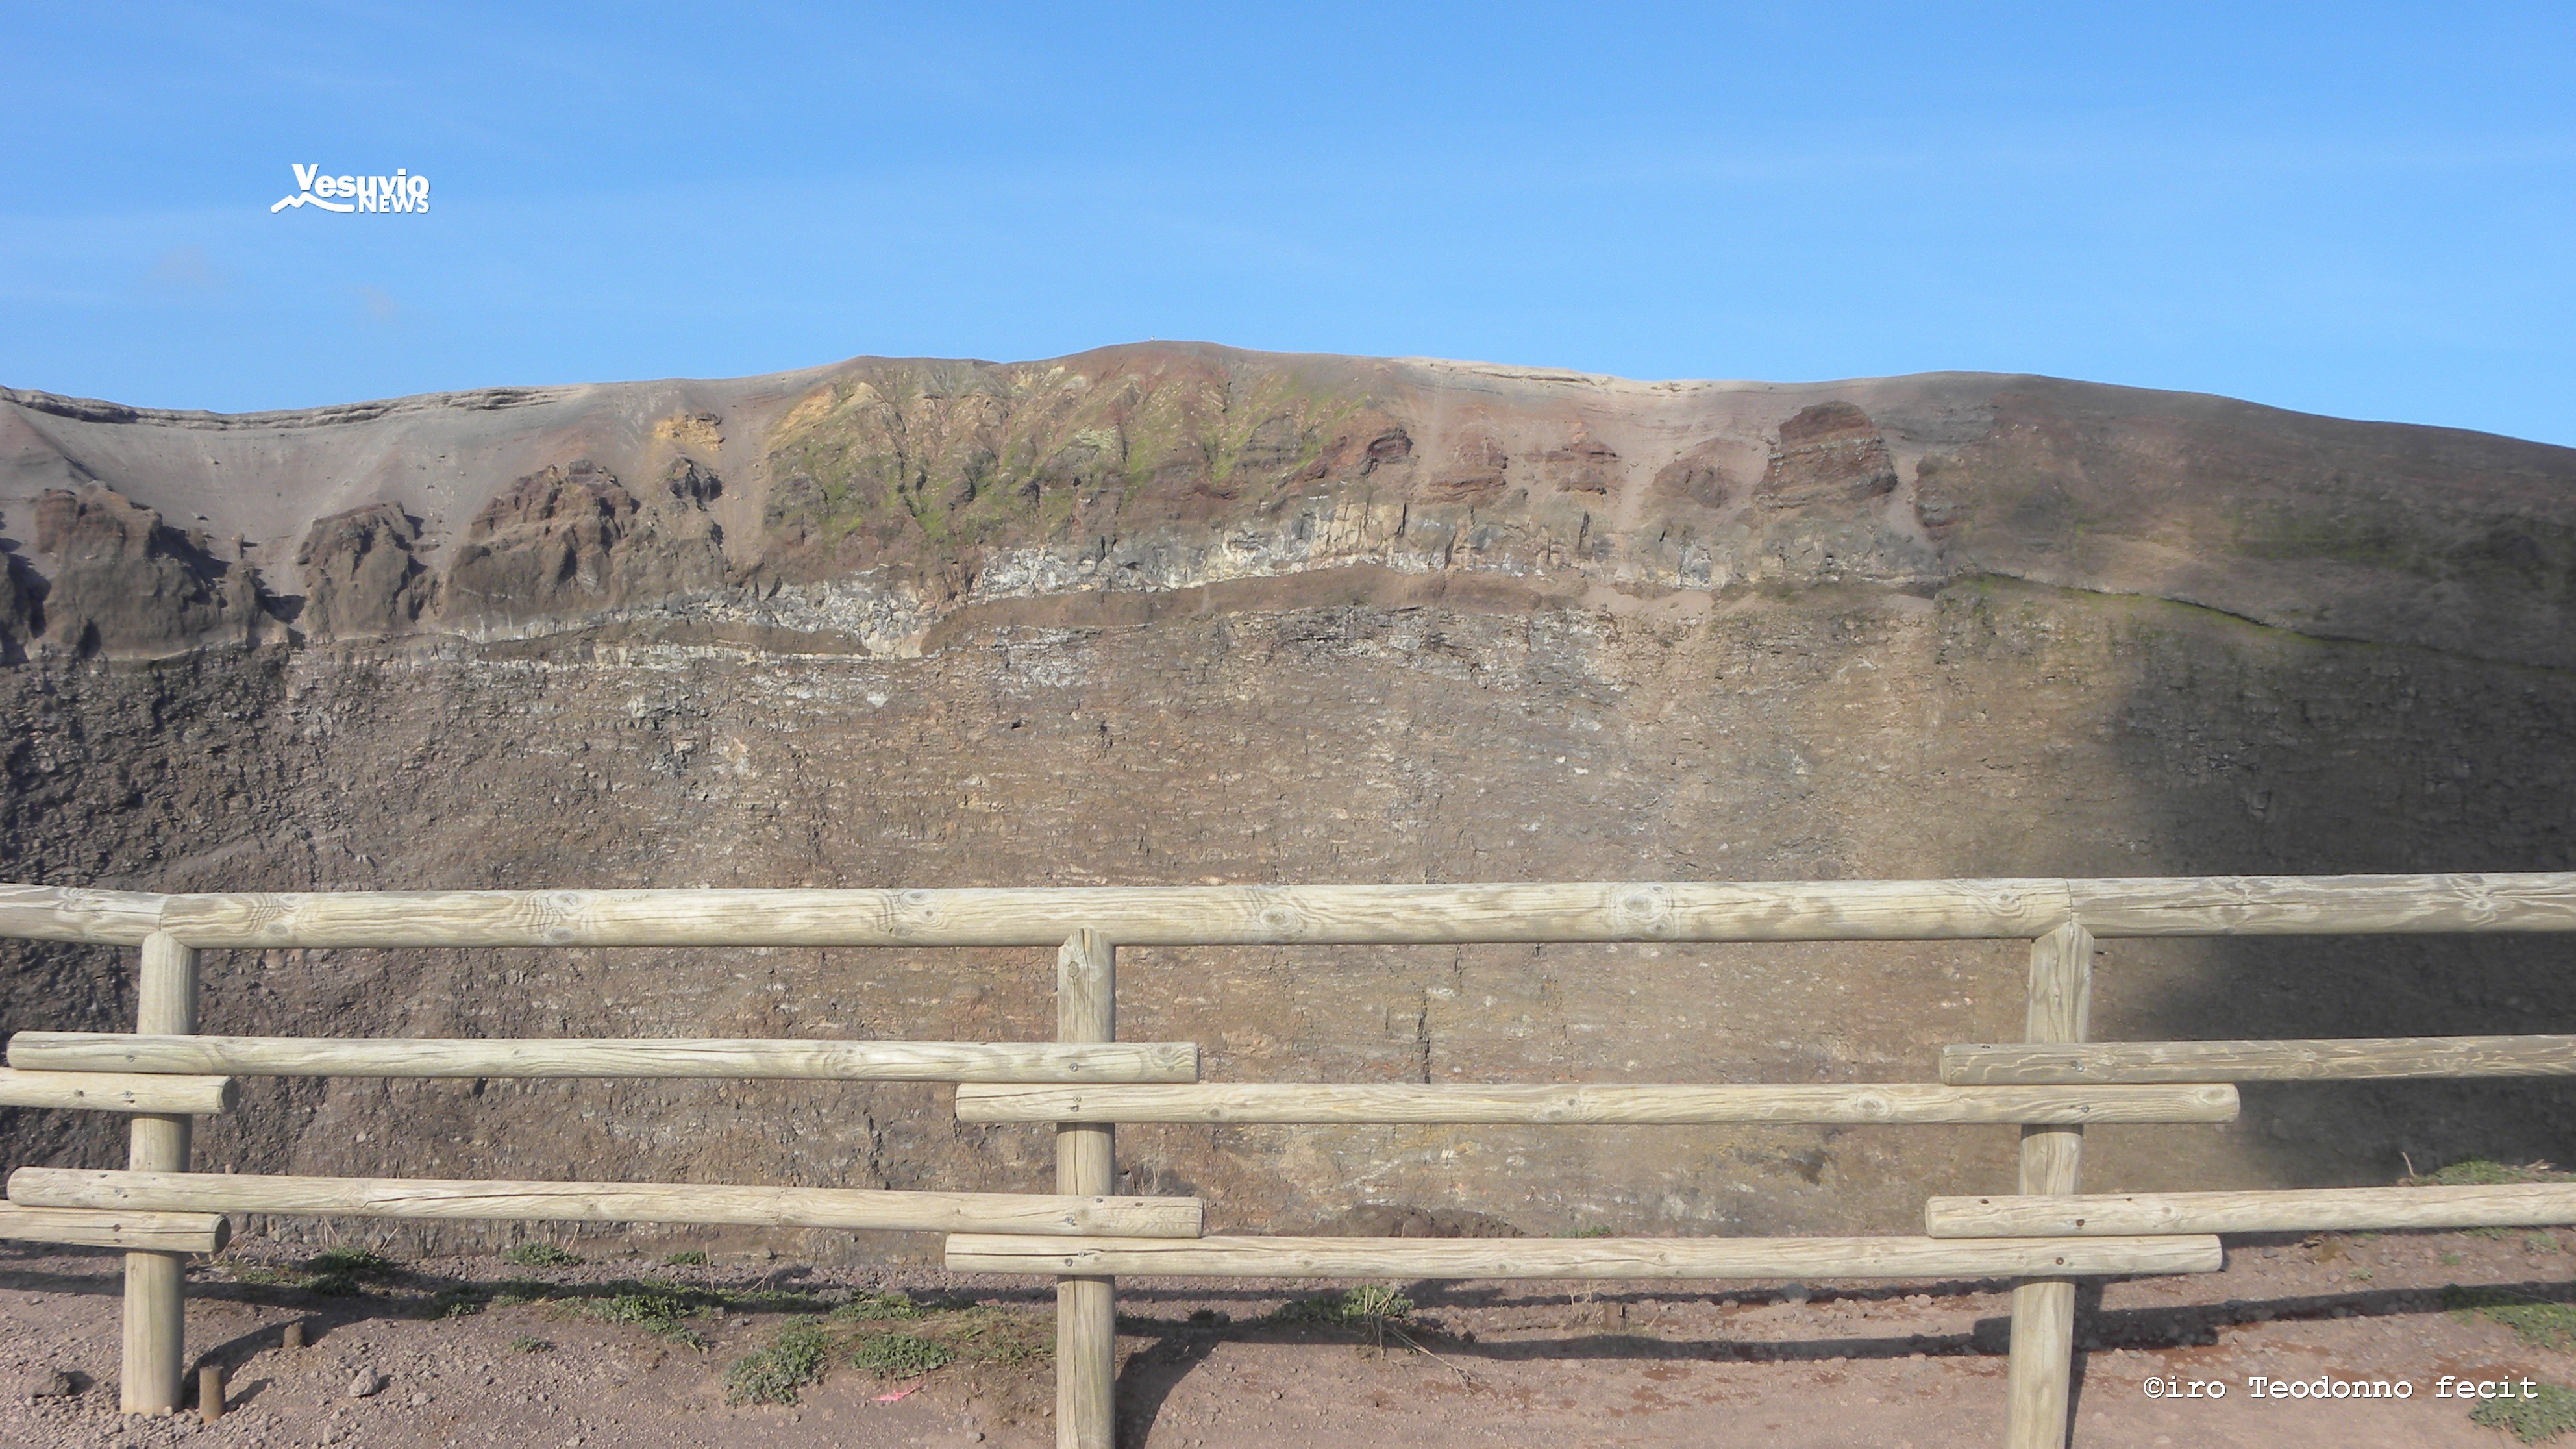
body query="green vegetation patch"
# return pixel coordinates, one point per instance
(2548, 1413)
(794, 1359)
(689, 1258)
(530, 1343)
(1371, 1305)
(2483, 1172)
(2536, 1322)
(892, 1355)
(655, 1312)
(866, 1306)
(356, 1262)
(540, 1255)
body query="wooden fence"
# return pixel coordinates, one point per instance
(2049, 1086)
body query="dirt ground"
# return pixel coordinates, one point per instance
(477, 1351)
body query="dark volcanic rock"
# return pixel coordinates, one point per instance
(362, 577)
(121, 581)
(570, 543)
(1829, 453)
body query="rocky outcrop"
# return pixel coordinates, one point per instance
(363, 576)
(121, 581)
(572, 543)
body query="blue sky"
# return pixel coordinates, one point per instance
(2355, 209)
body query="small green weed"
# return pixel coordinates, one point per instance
(356, 1262)
(865, 1306)
(992, 1335)
(2540, 1324)
(330, 1285)
(1597, 1230)
(2548, 1413)
(1368, 1305)
(2484, 1172)
(900, 1355)
(660, 1313)
(530, 1343)
(774, 1375)
(457, 1302)
(2452, 1260)
(690, 1258)
(2540, 1243)
(540, 1255)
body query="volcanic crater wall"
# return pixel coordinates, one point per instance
(1175, 614)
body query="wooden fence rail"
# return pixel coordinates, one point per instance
(2509, 1205)
(1909, 1103)
(1314, 915)
(1679, 1258)
(606, 1202)
(844, 1061)
(2052, 1085)
(2350, 1059)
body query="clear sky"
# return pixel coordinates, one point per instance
(2352, 209)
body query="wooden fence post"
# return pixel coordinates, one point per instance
(2043, 1313)
(1086, 1314)
(155, 1313)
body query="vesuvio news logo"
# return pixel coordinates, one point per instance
(398, 192)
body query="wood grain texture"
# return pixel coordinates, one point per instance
(153, 1378)
(1318, 915)
(1310, 1102)
(2315, 1060)
(118, 1092)
(48, 913)
(1086, 1308)
(922, 1061)
(94, 1228)
(1138, 916)
(2039, 1372)
(1805, 1258)
(2518, 1205)
(597, 1202)
(2325, 905)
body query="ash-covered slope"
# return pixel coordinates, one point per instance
(1179, 614)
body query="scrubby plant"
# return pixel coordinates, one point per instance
(865, 1306)
(2484, 1172)
(540, 1255)
(2535, 1321)
(356, 1262)
(654, 1312)
(900, 1355)
(794, 1358)
(2548, 1413)
(686, 1258)
(530, 1343)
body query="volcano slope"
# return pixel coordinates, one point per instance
(1178, 614)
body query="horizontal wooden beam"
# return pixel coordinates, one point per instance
(2321, 905)
(1304, 1102)
(919, 1061)
(2290, 1211)
(142, 1232)
(1580, 1258)
(118, 1091)
(1137, 916)
(50, 913)
(1316, 915)
(2315, 1060)
(593, 1202)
